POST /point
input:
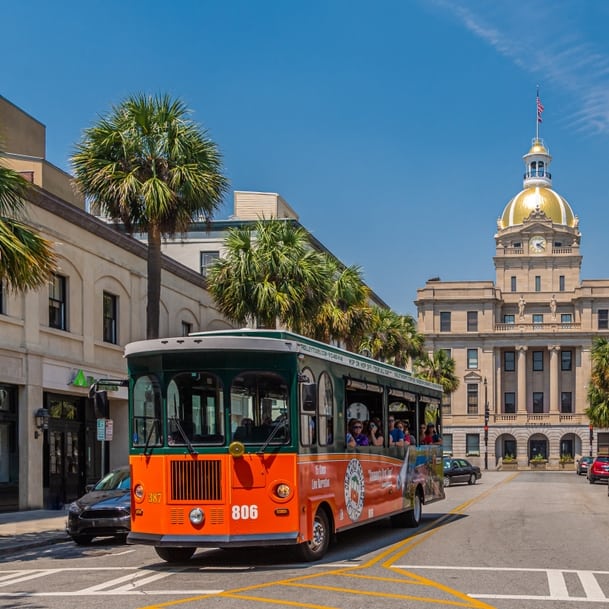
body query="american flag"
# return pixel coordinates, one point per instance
(539, 109)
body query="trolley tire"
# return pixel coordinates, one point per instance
(316, 548)
(82, 540)
(472, 479)
(412, 518)
(175, 554)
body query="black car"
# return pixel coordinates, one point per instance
(103, 511)
(582, 465)
(460, 470)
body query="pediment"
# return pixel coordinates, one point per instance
(472, 377)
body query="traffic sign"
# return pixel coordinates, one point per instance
(101, 429)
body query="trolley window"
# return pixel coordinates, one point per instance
(259, 408)
(195, 409)
(146, 422)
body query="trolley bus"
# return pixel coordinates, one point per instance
(238, 438)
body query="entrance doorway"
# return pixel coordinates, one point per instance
(64, 472)
(538, 445)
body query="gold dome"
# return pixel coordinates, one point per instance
(538, 148)
(532, 198)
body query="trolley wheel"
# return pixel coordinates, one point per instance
(175, 554)
(316, 548)
(412, 518)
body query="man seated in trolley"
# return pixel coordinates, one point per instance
(239, 439)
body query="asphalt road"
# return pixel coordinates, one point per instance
(514, 540)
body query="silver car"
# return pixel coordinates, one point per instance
(103, 511)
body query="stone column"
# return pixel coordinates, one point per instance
(497, 382)
(554, 404)
(521, 399)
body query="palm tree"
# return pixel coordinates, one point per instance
(269, 274)
(438, 368)
(27, 260)
(149, 165)
(598, 389)
(345, 314)
(392, 337)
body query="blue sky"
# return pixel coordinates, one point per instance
(395, 129)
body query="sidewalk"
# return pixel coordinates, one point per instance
(31, 529)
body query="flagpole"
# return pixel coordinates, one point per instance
(537, 115)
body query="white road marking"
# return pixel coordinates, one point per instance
(22, 576)
(112, 583)
(556, 583)
(591, 588)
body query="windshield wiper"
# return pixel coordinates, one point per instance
(186, 439)
(280, 425)
(154, 425)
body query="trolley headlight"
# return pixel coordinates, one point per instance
(283, 490)
(138, 492)
(196, 516)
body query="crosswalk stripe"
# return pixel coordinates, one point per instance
(591, 588)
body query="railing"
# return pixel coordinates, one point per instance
(538, 418)
(555, 326)
(519, 251)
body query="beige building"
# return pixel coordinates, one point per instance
(57, 341)
(522, 343)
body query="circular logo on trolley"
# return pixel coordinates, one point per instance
(354, 489)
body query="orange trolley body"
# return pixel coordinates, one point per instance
(201, 479)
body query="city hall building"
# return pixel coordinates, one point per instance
(522, 343)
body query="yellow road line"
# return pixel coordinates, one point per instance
(390, 595)
(395, 551)
(282, 602)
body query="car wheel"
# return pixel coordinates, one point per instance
(315, 549)
(446, 480)
(175, 554)
(82, 540)
(472, 479)
(590, 479)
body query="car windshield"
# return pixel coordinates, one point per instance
(116, 480)
(602, 459)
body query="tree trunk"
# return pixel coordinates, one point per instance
(153, 303)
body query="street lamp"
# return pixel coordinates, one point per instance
(486, 415)
(591, 438)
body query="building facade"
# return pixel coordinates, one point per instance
(522, 343)
(57, 341)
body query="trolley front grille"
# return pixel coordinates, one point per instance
(196, 480)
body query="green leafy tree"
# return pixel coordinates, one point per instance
(269, 275)
(345, 314)
(598, 388)
(438, 368)
(391, 337)
(149, 165)
(27, 260)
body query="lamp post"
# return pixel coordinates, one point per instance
(486, 416)
(591, 438)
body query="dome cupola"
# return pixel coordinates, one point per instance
(537, 194)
